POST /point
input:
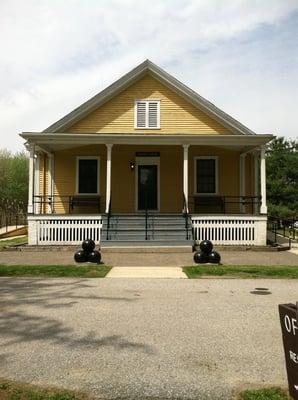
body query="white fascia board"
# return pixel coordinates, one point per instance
(156, 139)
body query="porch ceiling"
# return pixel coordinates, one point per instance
(59, 141)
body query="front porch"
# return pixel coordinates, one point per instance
(214, 186)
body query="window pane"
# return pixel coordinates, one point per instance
(88, 176)
(206, 176)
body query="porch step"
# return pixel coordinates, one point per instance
(164, 228)
(145, 247)
(141, 236)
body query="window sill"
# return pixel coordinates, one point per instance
(154, 129)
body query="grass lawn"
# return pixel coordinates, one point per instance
(264, 394)
(12, 242)
(10, 390)
(243, 271)
(15, 391)
(76, 271)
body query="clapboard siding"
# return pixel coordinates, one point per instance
(176, 114)
(43, 182)
(65, 173)
(43, 175)
(228, 168)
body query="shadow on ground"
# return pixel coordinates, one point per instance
(17, 326)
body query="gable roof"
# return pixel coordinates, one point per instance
(148, 67)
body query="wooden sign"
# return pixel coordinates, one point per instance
(289, 326)
(147, 154)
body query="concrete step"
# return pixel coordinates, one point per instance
(142, 217)
(143, 223)
(145, 247)
(136, 230)
(141, 235)
(161, 227)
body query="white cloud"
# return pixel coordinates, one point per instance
(55, 54)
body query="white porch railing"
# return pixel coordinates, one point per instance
(73, 229)
(230, 230)
(63, 229)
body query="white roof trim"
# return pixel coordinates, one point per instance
(147, 67)
(40, 138)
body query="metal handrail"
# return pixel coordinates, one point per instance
(186, 216)
(109, 217)
(146, 223)
(12, 219)
(283, 227)
(43, 201)
(228, 203)
(146, 215)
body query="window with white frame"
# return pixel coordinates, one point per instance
(147, 114)
(206, 175)
(87, 175)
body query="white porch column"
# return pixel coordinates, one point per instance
(50, 182)
(108, 179)
(36, 183)
(256, 182)
(31, 180)
(263, 208)
(242, 180)
(185, 173)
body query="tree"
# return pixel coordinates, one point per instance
(282, 178)
(13, 181)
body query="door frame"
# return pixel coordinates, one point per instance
(147, 161)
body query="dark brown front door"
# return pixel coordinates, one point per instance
(147, 187)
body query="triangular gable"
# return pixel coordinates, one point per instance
(177, 115)
(149, 68)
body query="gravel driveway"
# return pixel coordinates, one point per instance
(41, 257)
(139, 339)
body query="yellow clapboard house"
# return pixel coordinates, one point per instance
(147, 160)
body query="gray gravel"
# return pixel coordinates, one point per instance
(138, 339)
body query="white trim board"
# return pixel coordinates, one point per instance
(48, 141)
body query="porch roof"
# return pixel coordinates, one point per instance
(60, 141)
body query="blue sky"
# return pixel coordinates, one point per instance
(241, 55)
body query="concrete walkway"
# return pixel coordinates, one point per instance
(147, 272)
(294, 250)
(10, 228)
(13, 237)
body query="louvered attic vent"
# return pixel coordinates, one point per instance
(147, 114)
